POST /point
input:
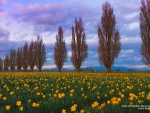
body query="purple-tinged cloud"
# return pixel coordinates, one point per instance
(45, 19)
(48, 17)
(2, 5)
(4, 34)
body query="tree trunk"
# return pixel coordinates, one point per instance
(78, 69)
(39, 69)
(108, 69)
(59, 69)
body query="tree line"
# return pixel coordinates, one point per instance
(109, 45)
(25, 57)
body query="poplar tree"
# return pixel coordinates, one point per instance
(1, 63)
(25, 56)
(145, 31)
(6, 63)
(108, 38)
(78, 44)
(19, 58)
(32, 55)
(12, 60)
(60, 51)
(40, 53)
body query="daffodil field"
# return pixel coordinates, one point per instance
(70, 92)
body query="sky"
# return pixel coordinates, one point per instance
(22, 20)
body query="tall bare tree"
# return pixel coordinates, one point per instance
(12, 59)
(25, 56)
(1, 63)
(78, 44)
(40, 53)
(6, 63)
(145, 31)
(32, 55)
(19, 58)
(60, 51)
(109, 38)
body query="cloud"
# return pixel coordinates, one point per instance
(2, 4)
(48, 67)
(2, 7)
(3, 14)
(4, 35)
(5, 44)
(44, 19)
(49, 16)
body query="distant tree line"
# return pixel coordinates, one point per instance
(25, 56)
(109, 45)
